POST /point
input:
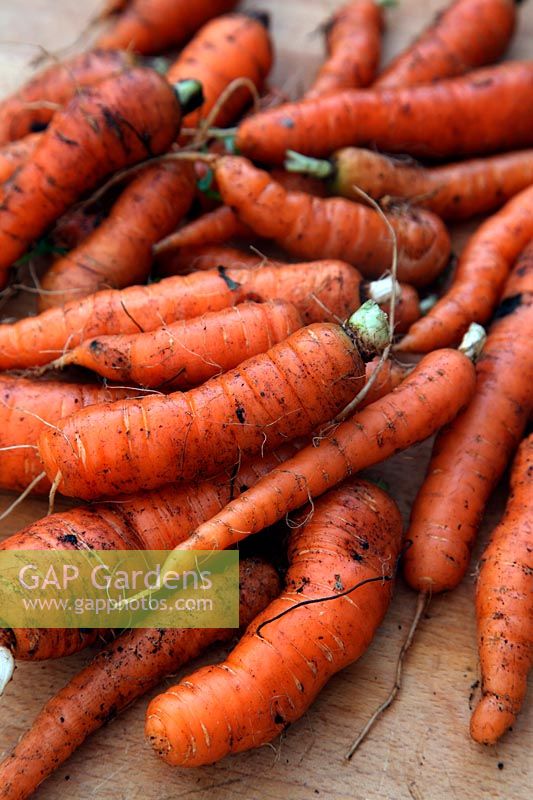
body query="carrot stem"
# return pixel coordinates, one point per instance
(190, 95)
(306, 165)
(369, 325)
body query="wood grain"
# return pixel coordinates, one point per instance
(420, 750)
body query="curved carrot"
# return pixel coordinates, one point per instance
(391, 374)
(440, 120)
(119, 252)
(470, 456)
(96, 134)
(353, 36)
(308, 226)
(504, 609)
(76, 224)
(479, 278)
(127, 668)
(453, 191)
(152, 26)
(214, 227)
(189, 352)
(298, 643)
(170, 260)
(466, 35)
(21, 114)
(27, 407)
(14, 154)
(321, 290)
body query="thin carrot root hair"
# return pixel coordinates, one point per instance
(22, 496)
(202, 133)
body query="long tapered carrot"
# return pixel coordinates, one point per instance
(440, 120)
(353, 37)
(98, 132)
(299, 642)
(14, 154)
(470, 456)
(33, 105)
(119, 252)
(466, 35)
(184, 260)
(479, 278)
(26, 408)
(453, 191)
(504, 608)
(127, 668)
(333, 227)
(214, 227)
(152, 26)
(324, 290)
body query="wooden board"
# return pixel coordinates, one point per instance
(420, 750)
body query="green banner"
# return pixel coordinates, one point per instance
(119, 589)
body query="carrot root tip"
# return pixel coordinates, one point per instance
(473, 341)
(369, 326)
(7, 667)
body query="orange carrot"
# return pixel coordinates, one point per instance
(96, 134)
(14, 154)
(470, 456)
(119, 252)
(479, 278)
(440, 120)
(123, 671)
(314, 227)
(172, 260)
(353, 36)
(33, 105)
(504, 609)
(215, 227)
(337, 590)
(466, 35)
(73, 227)
(391, 374)
(453, 191)
(151, 26)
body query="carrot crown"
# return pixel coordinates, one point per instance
(190, 95)
(305, 165)
(369, 327)
(473, 341)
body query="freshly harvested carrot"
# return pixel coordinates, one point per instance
(226, 48)
(14, 154)
(100, 131)
(439, 386)
(187, 353)
(314, 227)
(119, 252)
(391, 373)
(298, 642)
(152, 26)
(470, 456)
(466, 35)
(324, 290)
(215, 227)
(440, 120)
(453, 191)
(184, 260)
(353, 37)
(504, 609)
(33, 105)
(276, 396)
(27, 407)
(479, 278)
(127, 668)
(73, 227)
(294, 182)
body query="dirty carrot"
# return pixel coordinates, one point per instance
(504, 609)
(391, 373)
(337, 591)
(353, 37)
(465, 36)
(479, 278)
(172, 260)
(439, 120)
(214, 227)
(14, 154)
(470, 456)
(118, 253)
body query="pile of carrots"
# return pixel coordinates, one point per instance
(243, 302)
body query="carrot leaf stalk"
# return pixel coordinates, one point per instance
(381, 291)
(473, 341)
(306, 165)
(190, 95)
(369, 326)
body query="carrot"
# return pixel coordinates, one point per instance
(440, 120)
(14, 154)
(479, 278)
(320, 290)
(226, 48)
(76, 224)
(215, 227)
(470, 456)
(391, 374)
(27, 407)
(466, 35)
(294, 182)
(151, 26)
(295, 386)
(33, 105)
(314, 629)
(96, 134)
(123, 671)
(184, 260)
(181, 355)
(119, 252)
(439, 386)
(353, 37)
(308, 226)
(504, 609)
(453, 191)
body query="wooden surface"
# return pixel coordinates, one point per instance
(420, 750)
